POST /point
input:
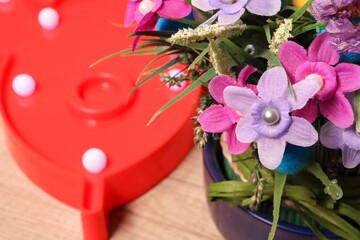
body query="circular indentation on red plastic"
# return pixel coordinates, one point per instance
(100, 97)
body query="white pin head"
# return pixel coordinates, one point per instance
(49, 18)
(94, 160)
(24, 85)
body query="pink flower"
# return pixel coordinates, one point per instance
(319, 63)
(221, 118)
(144, 12)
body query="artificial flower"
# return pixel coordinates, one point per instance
(266, 118)
(348, 140)
(336, 80)
(341, 22)
(143, 11)
(221, 118)
(231, 10)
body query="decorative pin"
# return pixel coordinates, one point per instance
(94, 160)
(48, 18)
(24, 85)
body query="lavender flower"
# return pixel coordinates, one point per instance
(340, 15)
(348, 140)
(231, 10)
(266, 117)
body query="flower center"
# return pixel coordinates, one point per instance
(228, 2)
(270, 115)
(146, 6)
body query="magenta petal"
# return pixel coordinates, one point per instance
(130, 13)
(348, 77)
(321, 50)
(217, 86)
(239, 98)
(324, 73)
(214, 119)
(244, 75)
(292, 55)
(331, 136)
(245, 132)
(271, 151)
(350, 157)
(235, 147)
(309, 112)
(338, 110)
(273, 84)
(174, 9)
(301, 133)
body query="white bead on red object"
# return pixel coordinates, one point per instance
(94, 160)
(48, 18)
(176, 73)
(146, 6)
(24, 85)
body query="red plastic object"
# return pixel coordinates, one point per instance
(75, 108)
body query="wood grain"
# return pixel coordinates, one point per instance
(174, 209)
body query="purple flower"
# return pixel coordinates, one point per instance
(318, 62)
(348, 140)
(266, 116)
(324, 10)
(231, 10)
(340, 16)
(220, 117)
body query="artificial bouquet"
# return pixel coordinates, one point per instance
(281, 90)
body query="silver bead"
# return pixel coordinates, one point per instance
(270, 115)
(250, 49)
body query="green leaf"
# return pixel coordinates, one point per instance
(191, 23)
(350, 212)
(154, 73)
(162, 34)
(199, 57)
(271, 57)
(307, 27)
(333, 222)
(205, 77)
(267, 33)
(296, 15)
(280, 180)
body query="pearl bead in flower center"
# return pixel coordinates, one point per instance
(270, 115)
(146, 6)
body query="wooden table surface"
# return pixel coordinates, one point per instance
(174, 209)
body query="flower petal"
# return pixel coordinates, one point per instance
(239, 98)
(273, 84)
(338, 110)
(351, 138)
(292, 55)
(226, 19)
(301, 133)
(309, 111)
(232, 8)
(130, 13)
(331, 136)
(214, 119)
(244, 75)
(271, 152)
(348, 77)
(217, 86)
(203, 5)
(350, 157)
(234, 145)
(321, 50)
(264, 8)
(245, 133)
(174, 9)
(325, 74)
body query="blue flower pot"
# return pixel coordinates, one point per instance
(236, 223)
